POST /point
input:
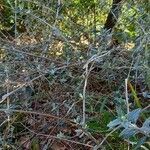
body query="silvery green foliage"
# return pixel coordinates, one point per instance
(130, 128)
(133, 115)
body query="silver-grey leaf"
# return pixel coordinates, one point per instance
(134, 115)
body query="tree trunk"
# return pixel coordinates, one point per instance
(113, 15)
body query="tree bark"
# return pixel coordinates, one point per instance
(113, 15)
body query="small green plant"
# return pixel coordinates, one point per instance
(129, 126)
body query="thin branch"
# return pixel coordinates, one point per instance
(126, 95)
(58, 138)
(37, 113)
(98, 146)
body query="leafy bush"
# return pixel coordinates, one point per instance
(62, 70)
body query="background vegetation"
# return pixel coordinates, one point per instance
(74, 74)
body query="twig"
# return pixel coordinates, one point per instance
(98, 146)
(15, 18)
(126, 94)
(8, 100)
(87, 72)
(146, 108)
(4, 97)
(58, 138)
(37, 113)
